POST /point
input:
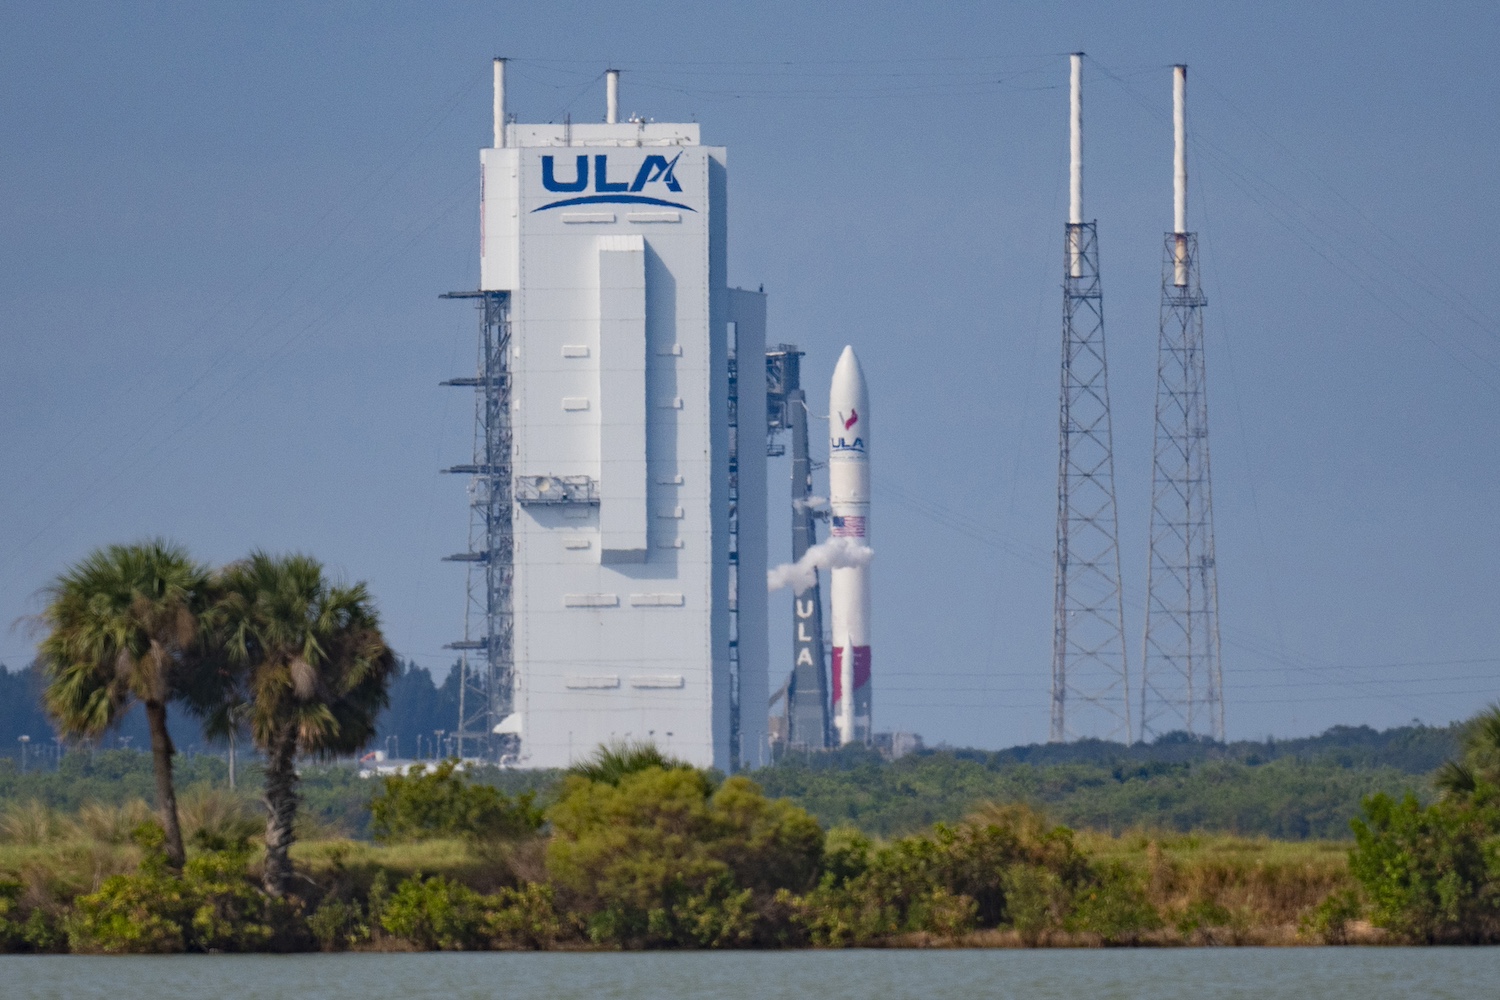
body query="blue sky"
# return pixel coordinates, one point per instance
(223, 230)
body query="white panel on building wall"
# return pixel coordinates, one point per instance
(622, 399)
(664, 681)
(657, 600)
(591, 600)
(499, 222)
(584, 683)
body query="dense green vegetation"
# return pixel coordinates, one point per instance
(1288, 789)
(634, 850)
(1284, 797)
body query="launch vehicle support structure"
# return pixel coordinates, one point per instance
(807, 722)
(632, 513)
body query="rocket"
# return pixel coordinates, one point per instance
(849, 516)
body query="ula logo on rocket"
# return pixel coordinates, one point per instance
(655, 169)
(844, 442)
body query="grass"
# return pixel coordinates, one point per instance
(1218, 888)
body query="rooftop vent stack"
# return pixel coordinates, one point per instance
(612, 96)
(1179, 172)
(499, 103)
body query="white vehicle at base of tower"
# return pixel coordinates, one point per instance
(849, 510)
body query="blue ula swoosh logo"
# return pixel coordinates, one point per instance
(619, 199)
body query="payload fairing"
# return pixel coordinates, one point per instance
(849, 507)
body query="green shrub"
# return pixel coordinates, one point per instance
(1329, 920)
(446, 803)
(665, 857)
(337, 924)
(230, 913)
(945, 882)
(1431, 873)
(211, 906)
(524, 917)
(1202, 914)
(1035, 900)
(435, 914)
(1113, 905)
(11, 926)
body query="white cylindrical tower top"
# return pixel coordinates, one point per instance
(499, 103)
(612, 96)
(1075, 142)
(1179, 151)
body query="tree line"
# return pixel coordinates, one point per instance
(419, 707)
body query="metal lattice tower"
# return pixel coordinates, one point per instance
(1181, 679)
(486, 658)
(1090, 674)
(1182, 684)
(808, 725)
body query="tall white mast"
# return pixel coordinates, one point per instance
(1179, 171)
(1075, 164)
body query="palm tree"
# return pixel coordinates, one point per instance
(1481, 757)
(126, 625)
(311, 669)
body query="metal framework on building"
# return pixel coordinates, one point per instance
(808, 725)
(486, 657)
(1090, 675)
(1181, 679)
(735, 750)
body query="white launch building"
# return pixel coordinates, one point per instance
(638, 509)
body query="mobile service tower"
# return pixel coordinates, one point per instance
(623, 550)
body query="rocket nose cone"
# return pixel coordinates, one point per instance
(848, 409)
(848, 376)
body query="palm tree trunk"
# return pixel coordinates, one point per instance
(281, 810)
(166, 794)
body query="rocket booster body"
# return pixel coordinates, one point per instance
(849, 507)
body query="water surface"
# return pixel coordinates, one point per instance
(1168, 974)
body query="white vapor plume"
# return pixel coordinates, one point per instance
(836, 553)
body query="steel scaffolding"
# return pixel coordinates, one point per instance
(808, 726)
(1090, 675)
(486, 686)
(1181, 679)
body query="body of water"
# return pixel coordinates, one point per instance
(1148, 974)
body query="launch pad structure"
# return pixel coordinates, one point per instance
(1090, 675)
(808, 724)
(1182, 683)
(617, 534)
(486, 662)
(616, 547)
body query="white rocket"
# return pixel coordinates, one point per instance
(849, 506)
